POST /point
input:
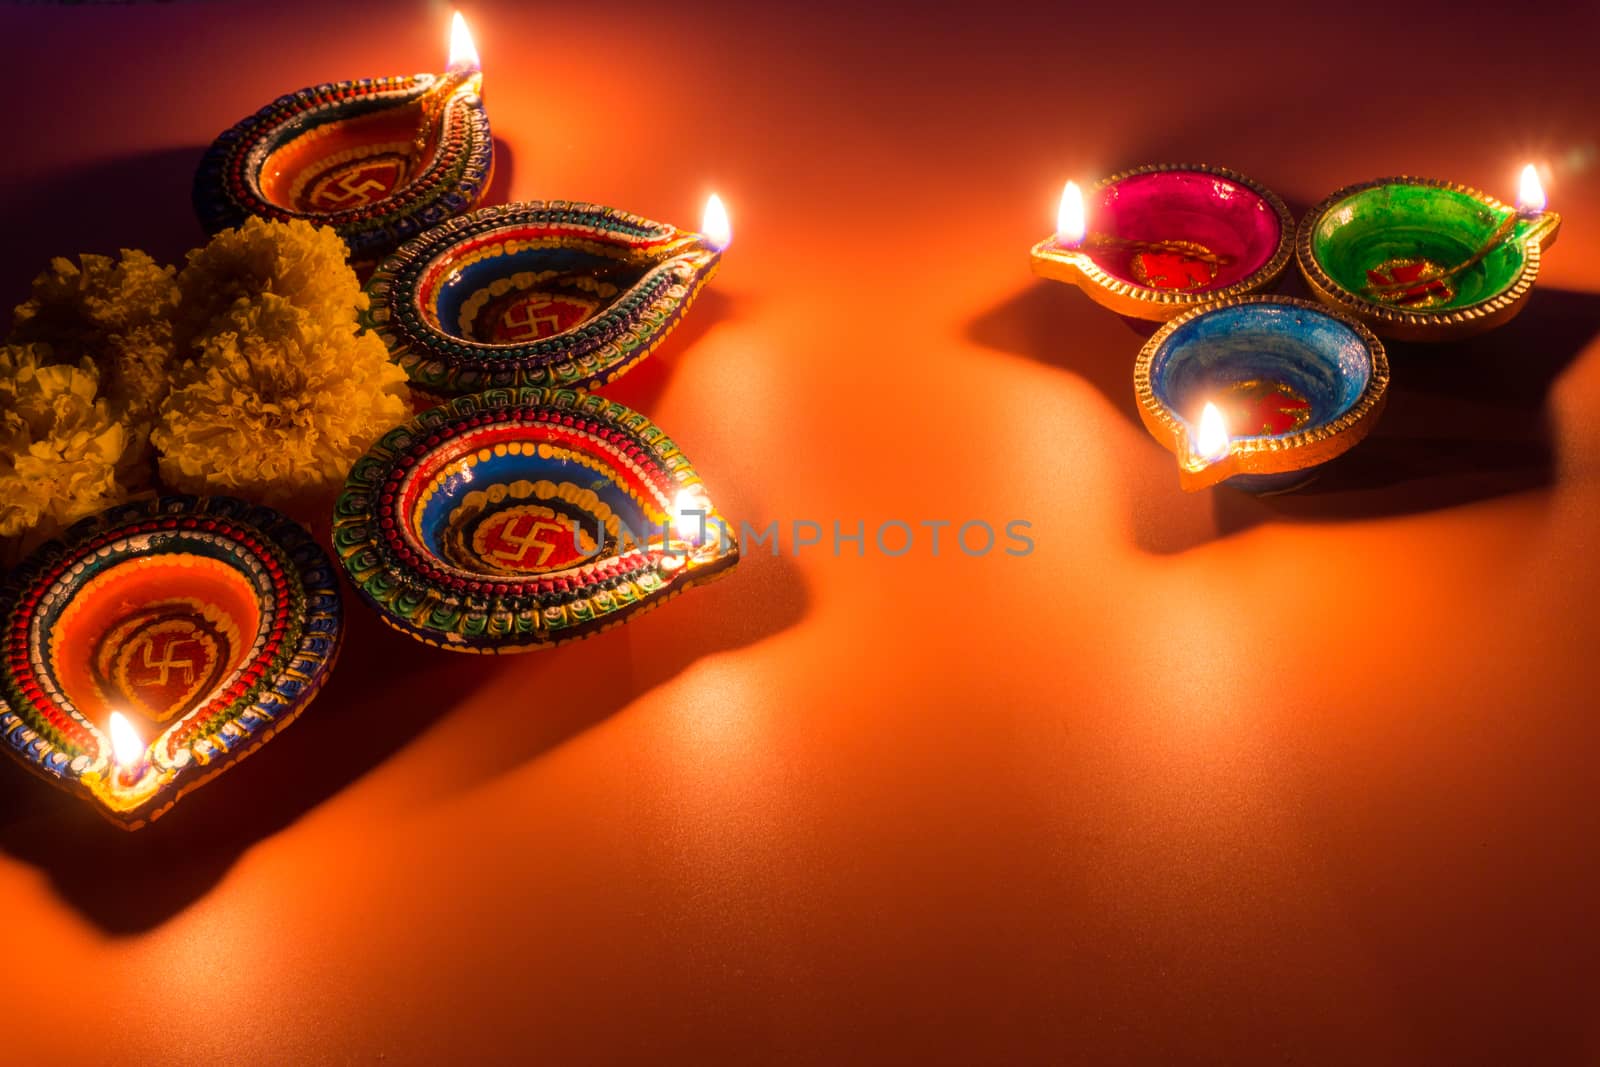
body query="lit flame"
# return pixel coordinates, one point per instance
(126, 745)
(1211, 443)
(714, 224)
(689, 514)
(463, 53)
(1070, 222)
(1530, 193)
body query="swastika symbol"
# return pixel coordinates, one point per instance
(349, 190)
(513, 541)
(169, 662)
(523, 321)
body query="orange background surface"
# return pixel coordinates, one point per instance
(1206, 778)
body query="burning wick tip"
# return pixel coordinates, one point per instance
(1530, 192)
(127, 747)
(1211, 440)
(1071, 220)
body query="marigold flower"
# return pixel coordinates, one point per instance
(294, 260)
(59, 445)
(118, 312)
(278, 402)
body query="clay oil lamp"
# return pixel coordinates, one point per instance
(1153, 242)
(519, 519)
(379, 160)
(1423, 260)
(539, 294)
(1259, 392)
(158, 643)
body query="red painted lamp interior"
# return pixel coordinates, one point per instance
(154, 637)
(340, 166)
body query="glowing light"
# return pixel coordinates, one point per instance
(463, 53)
(1211, 443)
(689, 512)
(1071, 224)
(127, 747)
(714, 224)
(1530, 193)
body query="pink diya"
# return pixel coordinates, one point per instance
(160, 642)
(1158, 240)
(379, 160)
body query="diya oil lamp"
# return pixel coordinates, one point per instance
(1422, 260)
(379, 160)
(1259, 392)
(1158, 240)
(519, 519)
(539, 294)
(158, 643)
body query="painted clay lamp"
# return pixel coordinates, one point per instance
(1153, 242)
(539, 294)
(1423, 260)
(160, 642)
(379, 160)
(1259, 392)
(519, 519)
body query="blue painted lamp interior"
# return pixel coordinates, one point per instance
(512, 513)
(1294, 386)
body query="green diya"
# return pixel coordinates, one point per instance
(1423, 260)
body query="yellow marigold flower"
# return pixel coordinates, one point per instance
(59, 447)
(296, 261)
(117, 312)
(279, 401)
(96, 297)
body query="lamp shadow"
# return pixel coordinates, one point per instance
(137, 201)
(381, 692)
(499, 191)
(561, 696)
(385, 692)
(641, 388)
(70, 212)
(1465, 421)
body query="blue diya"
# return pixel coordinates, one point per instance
(518, 519)
(379, 160)
(538, 294)
(1259, 392)
(158, 643)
